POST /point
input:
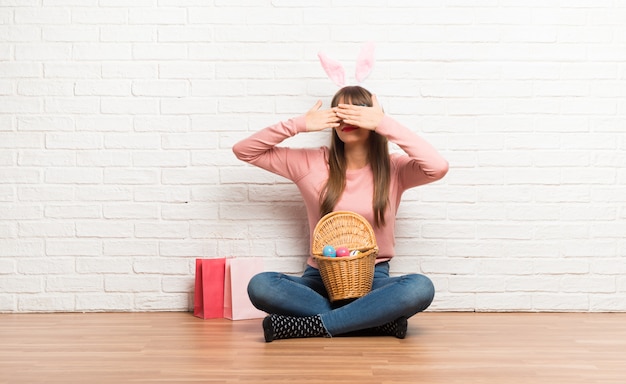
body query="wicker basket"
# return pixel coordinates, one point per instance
(345, 277)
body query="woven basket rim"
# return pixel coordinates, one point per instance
(317, 247)
(362, 253)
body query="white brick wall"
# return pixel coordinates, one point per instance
(117, 119)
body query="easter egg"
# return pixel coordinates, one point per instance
(329, 251)
(354, 252)
(343, 251)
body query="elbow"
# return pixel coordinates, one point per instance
(239, 152)
(441, 170)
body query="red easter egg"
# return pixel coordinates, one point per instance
(342, 252)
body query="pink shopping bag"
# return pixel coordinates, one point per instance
(239, 271)
(208, 300)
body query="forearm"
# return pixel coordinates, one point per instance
(421, 152)
(256, 146)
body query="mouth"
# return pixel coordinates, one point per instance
(349, 128)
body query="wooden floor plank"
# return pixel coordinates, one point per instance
(439, 348)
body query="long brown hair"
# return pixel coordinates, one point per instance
(378, 157)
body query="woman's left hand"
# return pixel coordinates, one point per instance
(360, 116)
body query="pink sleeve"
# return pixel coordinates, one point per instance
(422, 165)
(260, 149)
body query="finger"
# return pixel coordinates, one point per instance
(348, 107)
(347, 114)
(334, 119)
(327, 114)
(317, 106)
(375, 102)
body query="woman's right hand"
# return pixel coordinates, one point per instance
(319, 119)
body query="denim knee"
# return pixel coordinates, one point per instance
(260, 287)
(419, 294)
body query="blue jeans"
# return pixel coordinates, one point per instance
(390, 298)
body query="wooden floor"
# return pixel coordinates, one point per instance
(446, 348)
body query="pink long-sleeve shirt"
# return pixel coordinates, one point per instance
(308, 169)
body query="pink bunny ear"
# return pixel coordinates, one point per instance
(333, 69)
(365, 62)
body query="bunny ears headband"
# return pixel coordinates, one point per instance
(336, 72)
